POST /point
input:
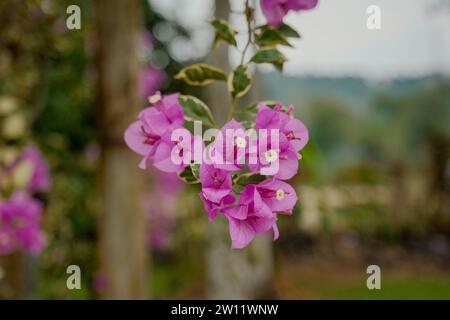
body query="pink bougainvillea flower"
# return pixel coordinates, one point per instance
(213, 208)
(275, 10)
(144, 136)
(216, 189)
(40, 179)
(268, 118)
(173, 155)
(20, 224)
(276, 158)
(292, 135)
(249, 217)
(216, 183)
(229, 148)
(296, 133)
(293, 129)
(278, 195)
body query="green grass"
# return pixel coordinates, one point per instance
(391, 288)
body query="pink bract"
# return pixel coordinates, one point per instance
(149, 136)
(275, 10)
(228, 154)
(249, 217)
(216, 188)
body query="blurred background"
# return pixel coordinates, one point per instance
(374, 183)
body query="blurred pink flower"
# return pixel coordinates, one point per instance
(32, 239)
(93, 152)
(147, 41)
(162, 223)
(100, 282)
(167, 183)
(40, 180)
(160, 207)
(151, 80)
(20, 224)
(8, 241)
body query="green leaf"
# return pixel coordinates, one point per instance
(239, 81)
(270, 103)
(246, 115)
(201, 74)
(270, 37)
(248, 124)
(223, 32)
(288, 31)
(248, 178)
(195, 168)
(196, 110)
(251, 109)
(270, 55)
(190, 174)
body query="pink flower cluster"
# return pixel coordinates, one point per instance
(20, 225)
(252, 210)
(257, 206)
(275, 10)
(21, 213)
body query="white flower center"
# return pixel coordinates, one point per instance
(271, 155)
(240, 142)
(280, 194)
(155, 98)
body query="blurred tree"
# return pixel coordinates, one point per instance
(122, 227)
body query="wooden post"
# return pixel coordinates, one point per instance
(123, 251)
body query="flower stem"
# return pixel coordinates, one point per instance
(249, 15)
(231, 109)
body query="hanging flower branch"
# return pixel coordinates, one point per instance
(242, 167)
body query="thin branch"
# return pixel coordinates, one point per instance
(248, 16)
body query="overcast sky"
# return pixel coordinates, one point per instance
(414, 39)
